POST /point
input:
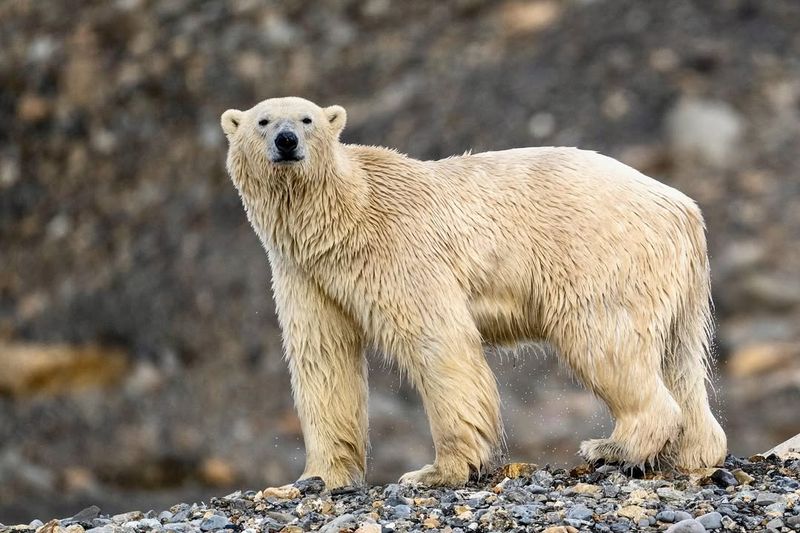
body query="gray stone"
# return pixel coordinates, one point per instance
(102, 529)
(793, 521)
(283, 518)
(687, 526)
(393, 494)
(536, 489)
(670, 494)
(620, 527)
(165, 516)
(346, 521)
(310, 485)
(775, 523)
(126, 517)
(177, 526)
(711, 520)
(36, 524)
(768, 498)
(543, 478)
(214, 522)
(682, 515)
(667, 515)
(723, 478)
(182, 515)
(150, 523)
(84, 516)
(775, 509)
(401, 511)
(579, 512)
(525, 514)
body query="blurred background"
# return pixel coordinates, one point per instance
(140, 360)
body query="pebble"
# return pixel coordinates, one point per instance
(85, 516)
(634, 512)
(401, 511)
(525, 514)
(670, 494)
(775, 523)
(584, 488)
(580, 512)
(767, 498)
(743, 477)
(149, 523)
(345, 521)
(775, 509)
(666, 515)
(213, 523)
(724, 478)
(310, 485)
(619, 527)
(177, 526)
(711, 520)
(686, 526)
(126, 517)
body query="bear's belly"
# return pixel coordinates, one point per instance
(504, 318)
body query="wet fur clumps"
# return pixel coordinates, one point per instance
(429, 261)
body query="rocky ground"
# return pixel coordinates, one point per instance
(139, 353)
(756, 494)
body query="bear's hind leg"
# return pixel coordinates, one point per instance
(645, 413)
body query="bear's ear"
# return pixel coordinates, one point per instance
(337, 117)
(230, 120)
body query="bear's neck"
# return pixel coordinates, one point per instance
(307, 215)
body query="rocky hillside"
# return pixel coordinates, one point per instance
(139, 355)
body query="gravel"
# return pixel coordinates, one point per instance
(542, 499)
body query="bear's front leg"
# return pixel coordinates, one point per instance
(460, 396)
(329, 377)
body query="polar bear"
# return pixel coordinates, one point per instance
(428, 260)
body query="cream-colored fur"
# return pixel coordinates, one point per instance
(428, 260)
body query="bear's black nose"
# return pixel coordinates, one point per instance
(286, 142)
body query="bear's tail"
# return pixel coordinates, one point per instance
(686, 366)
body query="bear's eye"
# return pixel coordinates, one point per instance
(263, 122)
(306, 120)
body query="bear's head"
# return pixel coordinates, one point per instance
(281, 135)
